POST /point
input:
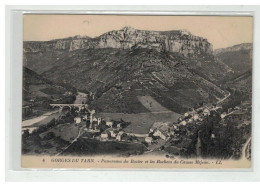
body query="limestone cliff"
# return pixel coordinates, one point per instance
(179, 41)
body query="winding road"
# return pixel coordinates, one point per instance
(73, 141)
(243, 156)
(223, 99)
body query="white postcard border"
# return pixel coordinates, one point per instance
(14, 35)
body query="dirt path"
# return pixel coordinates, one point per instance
(223, 99)
(73, 141)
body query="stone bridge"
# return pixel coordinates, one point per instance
(61, 106)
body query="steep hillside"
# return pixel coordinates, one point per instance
(242, 83)
(238, 79)
(173, 67)
(40, 92)
(117, 77)
(237, 58)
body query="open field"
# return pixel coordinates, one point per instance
(142, 122)
(151, 104)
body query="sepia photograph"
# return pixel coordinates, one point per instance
(136, 91)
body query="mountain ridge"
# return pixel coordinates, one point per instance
(237, 47)
(176, 41)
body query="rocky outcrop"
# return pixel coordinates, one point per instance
(179, 41)
(238, 47)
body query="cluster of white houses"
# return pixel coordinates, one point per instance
(112, 133)
(197, 115)
(162, 130)
(110, 129)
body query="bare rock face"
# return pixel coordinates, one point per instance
(179, 41)
(76, 44)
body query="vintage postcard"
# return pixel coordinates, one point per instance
(126, 91)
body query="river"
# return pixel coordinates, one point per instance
(28, 124)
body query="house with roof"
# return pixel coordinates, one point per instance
(180, 119)
(77, 120)
(148, 140)
(113, 132)
(223, 115)
(183, 123)
(196, 117)
(163, 129)
(94, 119)
(190, 120)
(105, 135)
(120, 135)
(162, 132)
(109, 124)
(152, 129)
(206, 112)
(85, 117)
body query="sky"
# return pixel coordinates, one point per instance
(221, 31)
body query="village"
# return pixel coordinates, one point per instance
(99, 128)
(173, 137)
(184, 137)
